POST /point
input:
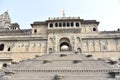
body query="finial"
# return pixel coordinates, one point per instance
(63, 13)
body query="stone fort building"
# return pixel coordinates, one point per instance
(59, 34)
(62, 48)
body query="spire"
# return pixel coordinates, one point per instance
(5, 17)
(5, 20)
(63, 12)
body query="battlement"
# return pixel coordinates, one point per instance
(62, 18)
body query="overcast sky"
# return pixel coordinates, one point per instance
(25, 12)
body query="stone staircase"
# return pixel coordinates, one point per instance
(61, 65)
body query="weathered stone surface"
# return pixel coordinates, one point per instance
(56, 35)
(56, 67)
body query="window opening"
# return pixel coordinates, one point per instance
(68, 24)
(51, 25)
(50, 50)
(60, 25)
(77, 24)
(64, 25)
(94, 29)
(9, 49)
(35, 31)
(72, 24)
(56, 24)
(4, 65)
(1, 47)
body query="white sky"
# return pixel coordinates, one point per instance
(107, 12)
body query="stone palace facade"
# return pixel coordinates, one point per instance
(59, 34)
(62, 48)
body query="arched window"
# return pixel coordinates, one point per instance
(65, 44)
(94, 29)
(50, 50)
(60, 24)
(56, 24)
(79, 50)
(68, 24)
(1, 47)
(51, 40)
(77, 24)
(51, 25)
(35, 31)
(4, 65)
(72, 24)
(64, 25)
(9, 49)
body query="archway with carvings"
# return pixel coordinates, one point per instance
(65, 44)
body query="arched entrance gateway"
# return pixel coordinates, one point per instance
(65, 44)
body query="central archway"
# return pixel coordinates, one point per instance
(65, 44)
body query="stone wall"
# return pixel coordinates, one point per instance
(98, 45)
(49, 36)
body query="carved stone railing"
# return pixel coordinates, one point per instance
(57, 18)
(72, 30)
